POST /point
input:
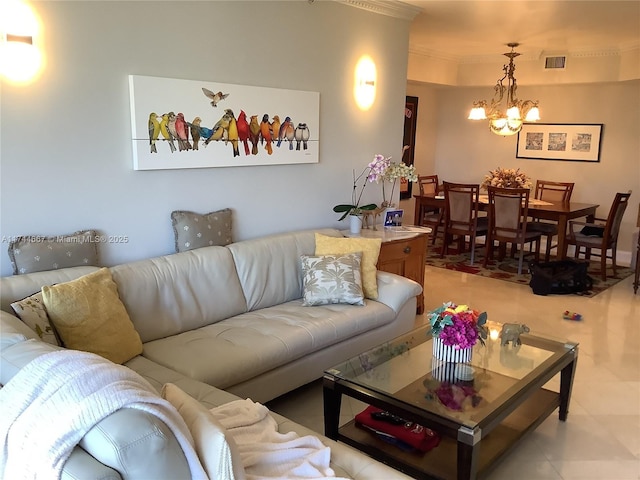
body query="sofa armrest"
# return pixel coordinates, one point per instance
(13, 330)
(82, 466)
(394, 290)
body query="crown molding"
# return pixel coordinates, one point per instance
(385, 7)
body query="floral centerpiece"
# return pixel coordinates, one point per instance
(455, 330)
(381, 169)
(506, 178)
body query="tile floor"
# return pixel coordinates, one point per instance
(601, 438)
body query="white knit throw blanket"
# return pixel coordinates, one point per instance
(57, 398)
(267, 453)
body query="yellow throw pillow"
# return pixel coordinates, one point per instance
(370, 248)
(89, 316)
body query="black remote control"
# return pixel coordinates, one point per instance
(388, 417)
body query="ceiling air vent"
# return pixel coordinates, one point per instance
(555, 63)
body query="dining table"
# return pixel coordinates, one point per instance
(560, 213)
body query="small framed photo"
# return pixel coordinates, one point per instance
(393, 218)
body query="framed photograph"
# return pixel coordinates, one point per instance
(393, 218)
(558, 141)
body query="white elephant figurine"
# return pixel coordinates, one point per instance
(511, 333)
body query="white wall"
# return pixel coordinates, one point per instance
(464, 150)
(65, 153)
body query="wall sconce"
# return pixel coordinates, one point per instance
(20, 58)
(364, 88)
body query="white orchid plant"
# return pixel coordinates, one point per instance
(381, 169)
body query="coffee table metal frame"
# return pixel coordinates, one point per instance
(460, 454)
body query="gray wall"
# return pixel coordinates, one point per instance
(462, 150)
(65, 140)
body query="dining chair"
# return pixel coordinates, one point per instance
(461, 216)
(554, 192)
(600, 236)
(430, 217)
(508, 222)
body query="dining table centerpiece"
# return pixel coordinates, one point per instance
(506, 178)
(455, 330)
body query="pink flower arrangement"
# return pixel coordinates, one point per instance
(458, 325)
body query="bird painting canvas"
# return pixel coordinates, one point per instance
(198, 124)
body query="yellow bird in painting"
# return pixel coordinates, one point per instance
(254, 134)
(154, 131)
(232, 132)
(164, 130)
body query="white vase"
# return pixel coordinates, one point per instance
(355, 224)
(448, 353)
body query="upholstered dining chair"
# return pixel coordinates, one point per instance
(508, 209)
(461, 216)
(600, 236)
(430, 217)
(554, 192)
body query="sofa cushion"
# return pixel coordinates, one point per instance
(33, 313)
(247, 345)
(35, 253)
(89, 316)
(216, 449)
(16, 287)
(332, 279)
(12, 330)
(195, 230)
(370, 248)
(16, 356)
(168, 295)
(269, 267)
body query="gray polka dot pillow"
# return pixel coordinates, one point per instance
(195, 230)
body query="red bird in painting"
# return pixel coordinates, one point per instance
(243, 130)
(254, 134)
(183, 133)
(265, 132)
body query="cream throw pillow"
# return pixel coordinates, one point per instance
(370, 248)
(329, 279)
(216, 449)
(88, 315)
(32, 312)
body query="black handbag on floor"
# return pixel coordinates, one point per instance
(559, 277)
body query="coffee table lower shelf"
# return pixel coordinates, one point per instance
(441, 462)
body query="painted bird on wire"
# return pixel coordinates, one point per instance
(286, 132)
(302, 136)
(171, 126)
(243, 130)
(254, 134)
(215, 97)
(275, 127)
(194, 126)
(232, 132)
(154, 131)
(265, 133)
(219, 130)
(164, 130)
(183, 133)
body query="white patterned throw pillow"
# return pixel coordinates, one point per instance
(330, 279)
(32, 312)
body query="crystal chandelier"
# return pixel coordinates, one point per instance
(506, 113)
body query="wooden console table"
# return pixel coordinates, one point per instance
(403, 252)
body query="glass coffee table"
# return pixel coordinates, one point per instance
(513, 388)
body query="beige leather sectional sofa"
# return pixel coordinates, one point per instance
(222, 323)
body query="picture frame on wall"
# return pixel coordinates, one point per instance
(559, 141)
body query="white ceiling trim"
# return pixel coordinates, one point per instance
(384, 7)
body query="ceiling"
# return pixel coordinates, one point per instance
(463, 29)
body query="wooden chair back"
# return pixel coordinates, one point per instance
(428, 184)
(614, 219)
(554, 192)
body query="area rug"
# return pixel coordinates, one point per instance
(507, 268)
